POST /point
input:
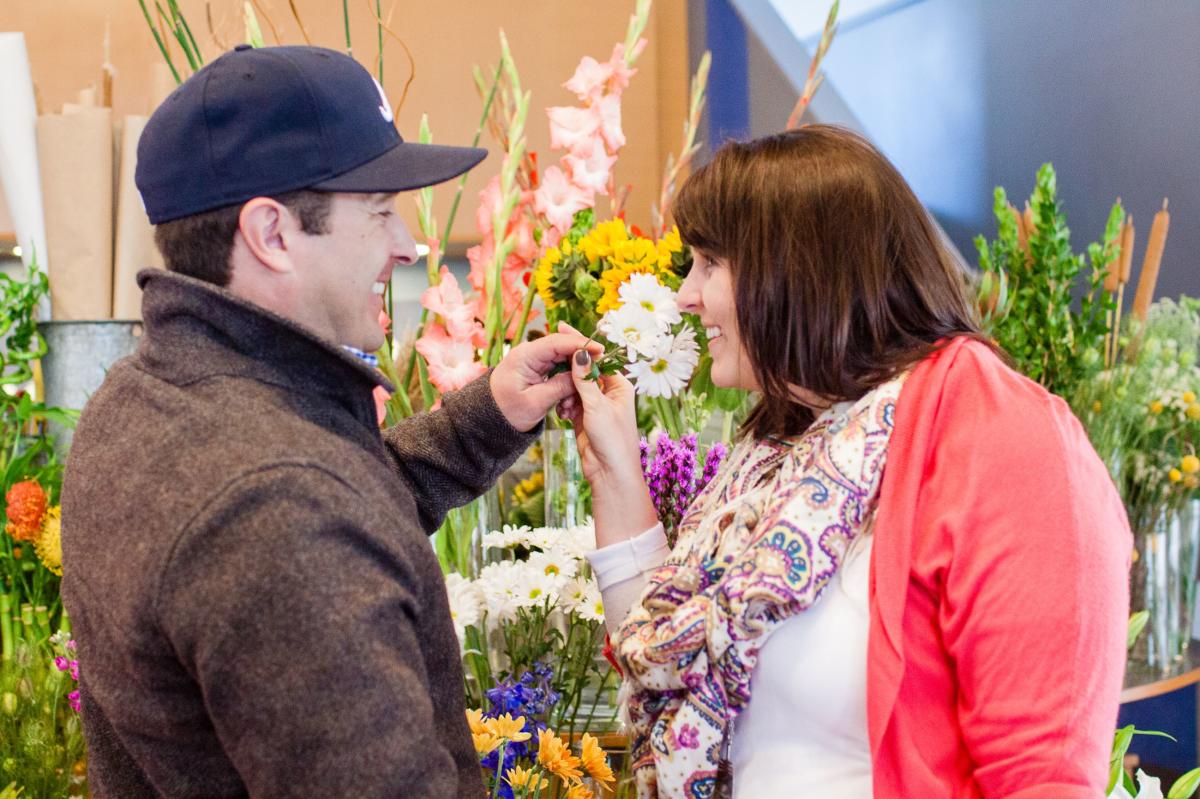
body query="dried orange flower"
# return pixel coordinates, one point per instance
(26, 507)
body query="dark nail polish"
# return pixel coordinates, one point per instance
(582, 358)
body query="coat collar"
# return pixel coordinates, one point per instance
(196, 330)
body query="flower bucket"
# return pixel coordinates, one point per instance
(565, 496)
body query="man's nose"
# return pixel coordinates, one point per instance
(404, 249)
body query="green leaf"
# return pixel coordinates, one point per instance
(1185, 786)
(1137, 623)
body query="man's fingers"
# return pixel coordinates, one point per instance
(543, 354)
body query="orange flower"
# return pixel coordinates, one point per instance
(580, 791)
(26, 507)
(556, 757)
(595, 761)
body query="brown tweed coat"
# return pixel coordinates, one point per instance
(257, 606)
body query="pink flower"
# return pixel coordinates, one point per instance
(61, 663)
(572, 127)
(591, 78)
(446, 300)
(608, 109)
(619, 74)
(489, 200)
(591, 170)
(558, 199)
(73, 700)
(451, 362)
(512, 283)
(381, 396)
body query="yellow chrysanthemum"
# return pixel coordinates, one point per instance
(544, 273)
(1096, 406)
(1193, 411)
(527, 779)
(528, 487)
(580, 791)
(484, 742)
(1156, 407)
(1190, 464)
(611, 281)
(1174, 475)
(668, 246)
(556, 757)
(475, 721)
(636, 255)
(1189, 396)
(507, 727)
(48, 545)
(595, 761)
(599, 242)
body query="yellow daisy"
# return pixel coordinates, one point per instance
(507, 727)
(544, 274)
(475, 721)
(48, 545)
(595, 761)
(580, 791)
(484, 742)
(526, 778)
(600, 241)
(556, 757)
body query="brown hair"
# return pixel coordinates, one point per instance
(840, 279)
(200, 245)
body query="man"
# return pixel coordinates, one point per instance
(257, 606)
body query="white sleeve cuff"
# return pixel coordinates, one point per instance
(630, 558)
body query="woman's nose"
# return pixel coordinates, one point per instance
(689, 293)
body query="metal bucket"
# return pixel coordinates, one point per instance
(78, 356)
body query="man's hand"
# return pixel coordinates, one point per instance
(519, 382)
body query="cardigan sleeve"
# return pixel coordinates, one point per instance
(623, 569)
(1034, 592)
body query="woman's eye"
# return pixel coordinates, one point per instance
(384, 214)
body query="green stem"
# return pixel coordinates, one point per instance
(346, 24)
(379, 34)
(6, 630)
(162, 48)
(499, 768)
(487, 110)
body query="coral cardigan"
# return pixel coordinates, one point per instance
(998, 592)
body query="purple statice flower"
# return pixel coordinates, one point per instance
(712, 462)
(685, 474)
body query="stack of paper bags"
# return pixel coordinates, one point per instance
(97, 234)
(18, 149)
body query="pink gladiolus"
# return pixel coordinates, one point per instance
(591, 171)
(572, 127)
(608, 110)
(381, 396)
(558, 199)
(512, 287)
(618, 73)
(489, 199)
(591, 78)
(446, 300)
(452, 363)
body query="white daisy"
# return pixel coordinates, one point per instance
(501, 585)
(645, 292)
(537, 588)
(633, 328)
(555, 563)
(464, 603)
(668, 370)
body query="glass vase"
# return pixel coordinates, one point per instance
(1152, 580)
(459, 541)
(565, 492)
(1186, 543)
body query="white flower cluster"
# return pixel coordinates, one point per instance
(662, 350)
(555, 575)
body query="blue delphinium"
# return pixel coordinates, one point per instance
(531, 695)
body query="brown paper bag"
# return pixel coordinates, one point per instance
(135, 235)
(75, 158)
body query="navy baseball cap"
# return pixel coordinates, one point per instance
(263, 121)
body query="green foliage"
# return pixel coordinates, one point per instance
(1040, 303)
(41, 740)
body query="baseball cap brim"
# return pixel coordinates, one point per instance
(406, 166)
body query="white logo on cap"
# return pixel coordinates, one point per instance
(386, 108)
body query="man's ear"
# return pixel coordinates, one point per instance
(266, 227)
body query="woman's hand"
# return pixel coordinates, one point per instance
(605, 420)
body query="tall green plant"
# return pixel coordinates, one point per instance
(1039, 300)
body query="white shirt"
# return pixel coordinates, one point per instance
(804, 732)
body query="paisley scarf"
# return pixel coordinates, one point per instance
(758, 545)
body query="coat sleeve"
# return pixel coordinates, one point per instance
(1034, 600)
(304, 625)
(452, 455)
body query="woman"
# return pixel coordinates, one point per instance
(910, 577)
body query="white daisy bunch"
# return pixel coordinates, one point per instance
(660, 347)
